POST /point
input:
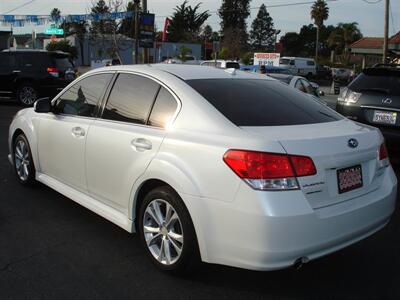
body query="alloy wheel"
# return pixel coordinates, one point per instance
(27, 95)
(163, 233)
(22, 159)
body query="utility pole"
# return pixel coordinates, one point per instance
(136, 28)
(145, 50)
(386, 32)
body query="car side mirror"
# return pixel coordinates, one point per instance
(321, 93)
(42, 105)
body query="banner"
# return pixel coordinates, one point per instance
(21, 20)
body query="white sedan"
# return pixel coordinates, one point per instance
(208, 164)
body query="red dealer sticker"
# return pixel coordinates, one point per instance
(349, 179)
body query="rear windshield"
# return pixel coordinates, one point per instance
(62, 61)
(382, 81)
(258, 102)
(234, 65)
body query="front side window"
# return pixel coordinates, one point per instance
(131, 99)
(163, 109)
(82, 98)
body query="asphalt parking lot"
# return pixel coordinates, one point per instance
(52, 248)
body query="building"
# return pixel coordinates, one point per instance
(370, 49)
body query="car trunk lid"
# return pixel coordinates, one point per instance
(328, 145)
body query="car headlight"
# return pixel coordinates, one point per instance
(348, 96)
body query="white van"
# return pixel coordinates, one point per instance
(299, 65)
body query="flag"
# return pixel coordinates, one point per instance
(166, 24)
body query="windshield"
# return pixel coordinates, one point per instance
(257, 102)
(284, 61)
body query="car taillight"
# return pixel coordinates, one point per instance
(269, 171)
(53, 71)
(383, 153)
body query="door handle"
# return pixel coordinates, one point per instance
(78, 132)
(16, 71)
(141, 144)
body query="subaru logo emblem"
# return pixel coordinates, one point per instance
(352, 143)
(387, 101)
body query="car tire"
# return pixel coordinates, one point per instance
(27, 94)
(171, 242)
(23, 163)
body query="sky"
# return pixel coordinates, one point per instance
(290, 18)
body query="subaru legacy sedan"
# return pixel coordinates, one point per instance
(211, 165)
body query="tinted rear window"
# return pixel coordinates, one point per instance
(232, 65)
(378, 80)
(62, 61)
(257, 102)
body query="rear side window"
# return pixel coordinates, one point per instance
(7, 60)
(82, 98)
(310, 63)
(257, 102)
(163, 109)
(62, 62)
(131, 99)
(385, 82)
(35, 60)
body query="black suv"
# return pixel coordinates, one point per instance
(374, 98)
(30, 74)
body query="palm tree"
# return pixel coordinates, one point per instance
(343, 35)
(319, 13)
(186, 23)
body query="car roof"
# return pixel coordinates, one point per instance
(32, 51)
(186, 72)
(281, 76)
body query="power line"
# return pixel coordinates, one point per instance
(371, 1)
(19, 6)
(267, 6)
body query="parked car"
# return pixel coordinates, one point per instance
(227, 167)
(374, 98)
(30, 74)
(323, 72)
(299, 65)
(268, 69)
(300, 83)
(220, 63)
(342, 75)
(189, 60)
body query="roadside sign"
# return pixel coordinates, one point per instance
(56, 31)
(267, 59)
(146, 30)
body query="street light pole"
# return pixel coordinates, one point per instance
(386, 32)
(145, 50)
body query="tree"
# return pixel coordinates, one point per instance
(186, 22)
(233, 14)
(64, 46)
(128, 24)
(206, 34)
(319, 13)
(101, 26)
(183, 53)
(79, 29)
(342, 37)
(55, 15)
(262, 32)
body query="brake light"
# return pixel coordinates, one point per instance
(53, 71)
(269, 171)
(383, 153)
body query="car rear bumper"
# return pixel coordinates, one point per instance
(272, 230)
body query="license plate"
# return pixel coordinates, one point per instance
(384, 117)
(349, 179)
